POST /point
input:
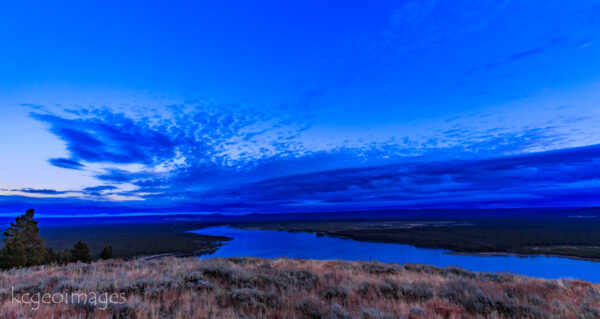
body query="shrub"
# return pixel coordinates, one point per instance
(332, 292)
(375, 267)
(374, 313)
(31, 287)
(309, 308)
(249, 299)
(338, 312)
(474, 301)
(413, 291)
(457, 291)
(57, 257)
(239, 261)
(590, 312)
(512, 310)
(388, 289)
(537, 300)
(456, 271)
(515, 291)
(218, 272)
(421, 268)
(66, 286)
(593, 295)
(121, 311)
(445, 309)
(242, 280)
(85, 305)
(417, 311)
(142, 284)
(468, 296)
(365, 288)
(478, 304)
(500, 278)
(416, 292)
(552, 285)
(300, 278)
(193, 276)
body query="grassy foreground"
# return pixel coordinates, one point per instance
(288, 288)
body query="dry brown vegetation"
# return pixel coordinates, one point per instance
(288, 288)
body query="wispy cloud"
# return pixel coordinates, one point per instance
(514, 57)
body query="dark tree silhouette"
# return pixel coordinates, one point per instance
(23, 245)
(57, 257)
(80, 252)
(107, 253)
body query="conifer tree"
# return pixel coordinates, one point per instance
(80, 252)
(107, 253)
(23, 245)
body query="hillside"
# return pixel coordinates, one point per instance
(285, 288)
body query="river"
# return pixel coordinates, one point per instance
(272, 244)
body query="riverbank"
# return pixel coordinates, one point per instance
(291, 288)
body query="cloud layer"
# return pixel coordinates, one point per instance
(196, 160)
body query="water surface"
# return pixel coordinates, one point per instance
(272, 244)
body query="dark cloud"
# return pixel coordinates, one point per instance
(543, 178)
(568, 177)
(118, 176)
(66, 163)
(110, 138)
(40, 191)
(99, 188)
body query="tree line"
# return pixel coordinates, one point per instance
(23, 247)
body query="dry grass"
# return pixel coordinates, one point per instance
(288, 288)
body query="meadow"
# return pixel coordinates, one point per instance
(288, 288)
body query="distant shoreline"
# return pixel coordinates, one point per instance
(491, 254)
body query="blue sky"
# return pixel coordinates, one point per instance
(269, 106)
